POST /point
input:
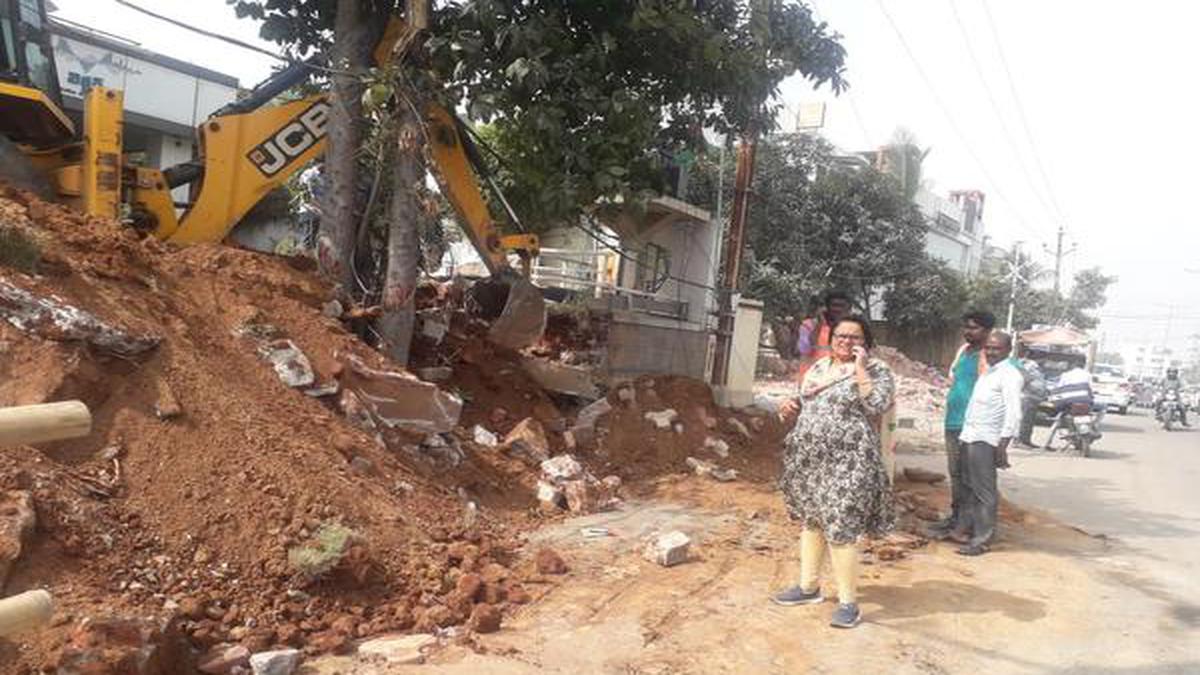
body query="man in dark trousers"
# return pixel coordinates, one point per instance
(968, 365)
(993, 419)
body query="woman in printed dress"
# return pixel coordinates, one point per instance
(834, 481)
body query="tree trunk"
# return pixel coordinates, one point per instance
(339, 214)
(409, 207)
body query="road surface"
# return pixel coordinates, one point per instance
(1141, 490)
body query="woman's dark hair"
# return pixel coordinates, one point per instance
(836, 294)
(986, 320)
(863, 323)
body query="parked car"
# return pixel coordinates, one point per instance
(1112, 390)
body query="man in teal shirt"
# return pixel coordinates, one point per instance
(964, 373)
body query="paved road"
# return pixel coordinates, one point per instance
(1140, 488)
(1140, 493)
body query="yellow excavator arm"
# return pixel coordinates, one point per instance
(247, 155)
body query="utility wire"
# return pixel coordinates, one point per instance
(201, 31)
(991, 96)
(1012, 85)
(962, 137)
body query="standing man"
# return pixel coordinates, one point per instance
(993, 419)
(968, 365)
(814, 339)
(1033, 393)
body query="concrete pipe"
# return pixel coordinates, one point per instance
(30, 424)
(25, 611)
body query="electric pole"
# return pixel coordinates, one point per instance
(1014, 271)
(1059, 254)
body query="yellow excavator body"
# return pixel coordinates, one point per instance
(246, 150)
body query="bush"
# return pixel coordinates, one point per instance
(324, 551)
(18, 251)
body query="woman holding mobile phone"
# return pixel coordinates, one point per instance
(834, 481)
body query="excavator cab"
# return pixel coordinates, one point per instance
(30, 101)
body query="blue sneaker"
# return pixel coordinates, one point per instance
(846, 615)
(798, 596)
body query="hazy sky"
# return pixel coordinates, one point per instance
(1108, 89)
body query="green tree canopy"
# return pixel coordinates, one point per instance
(581, 95)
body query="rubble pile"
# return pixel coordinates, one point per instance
(242, 437)
(659, 425)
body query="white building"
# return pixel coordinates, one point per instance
(955, 228)
(1150, 361)
(165, 98)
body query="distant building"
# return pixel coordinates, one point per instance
(165, 98)
(956, 234)
(955, 228)
(1150, 362)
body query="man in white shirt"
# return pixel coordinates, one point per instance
(993, 419)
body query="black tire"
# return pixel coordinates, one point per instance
(1085, 447)
(1123, 410)
(17, 171)
(1168, 423)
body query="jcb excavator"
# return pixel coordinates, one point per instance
(246, 149)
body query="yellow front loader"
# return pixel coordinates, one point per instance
(246, 149)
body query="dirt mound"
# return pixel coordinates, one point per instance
(631, 446)
(906, 367)
(205, 473)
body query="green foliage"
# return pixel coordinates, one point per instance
(324, 550)
(18, 251)
(583, 96)
(927, 300)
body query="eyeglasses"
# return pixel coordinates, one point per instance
(848, 336)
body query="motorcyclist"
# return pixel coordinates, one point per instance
(1175, 384)
(1073, 386)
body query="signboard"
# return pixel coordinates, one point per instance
(810, 117)
(150, 88)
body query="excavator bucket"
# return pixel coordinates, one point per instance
(523, 319)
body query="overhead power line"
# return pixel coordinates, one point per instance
(995, 105)
(962, 137)
(1012, 85)
(201, 31)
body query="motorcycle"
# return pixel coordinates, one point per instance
(1170, 410)
(1080, 427)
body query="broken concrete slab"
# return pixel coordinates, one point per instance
(669, 549)
(717, 446)
(396, 399)
(278, 662)
(708, 469)
(397, 649)
(560, 378)
(483, 437)
(528, 440)
(52, 319)
(662, 419)
(550, 497)
(562, 468)
(290, 364)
